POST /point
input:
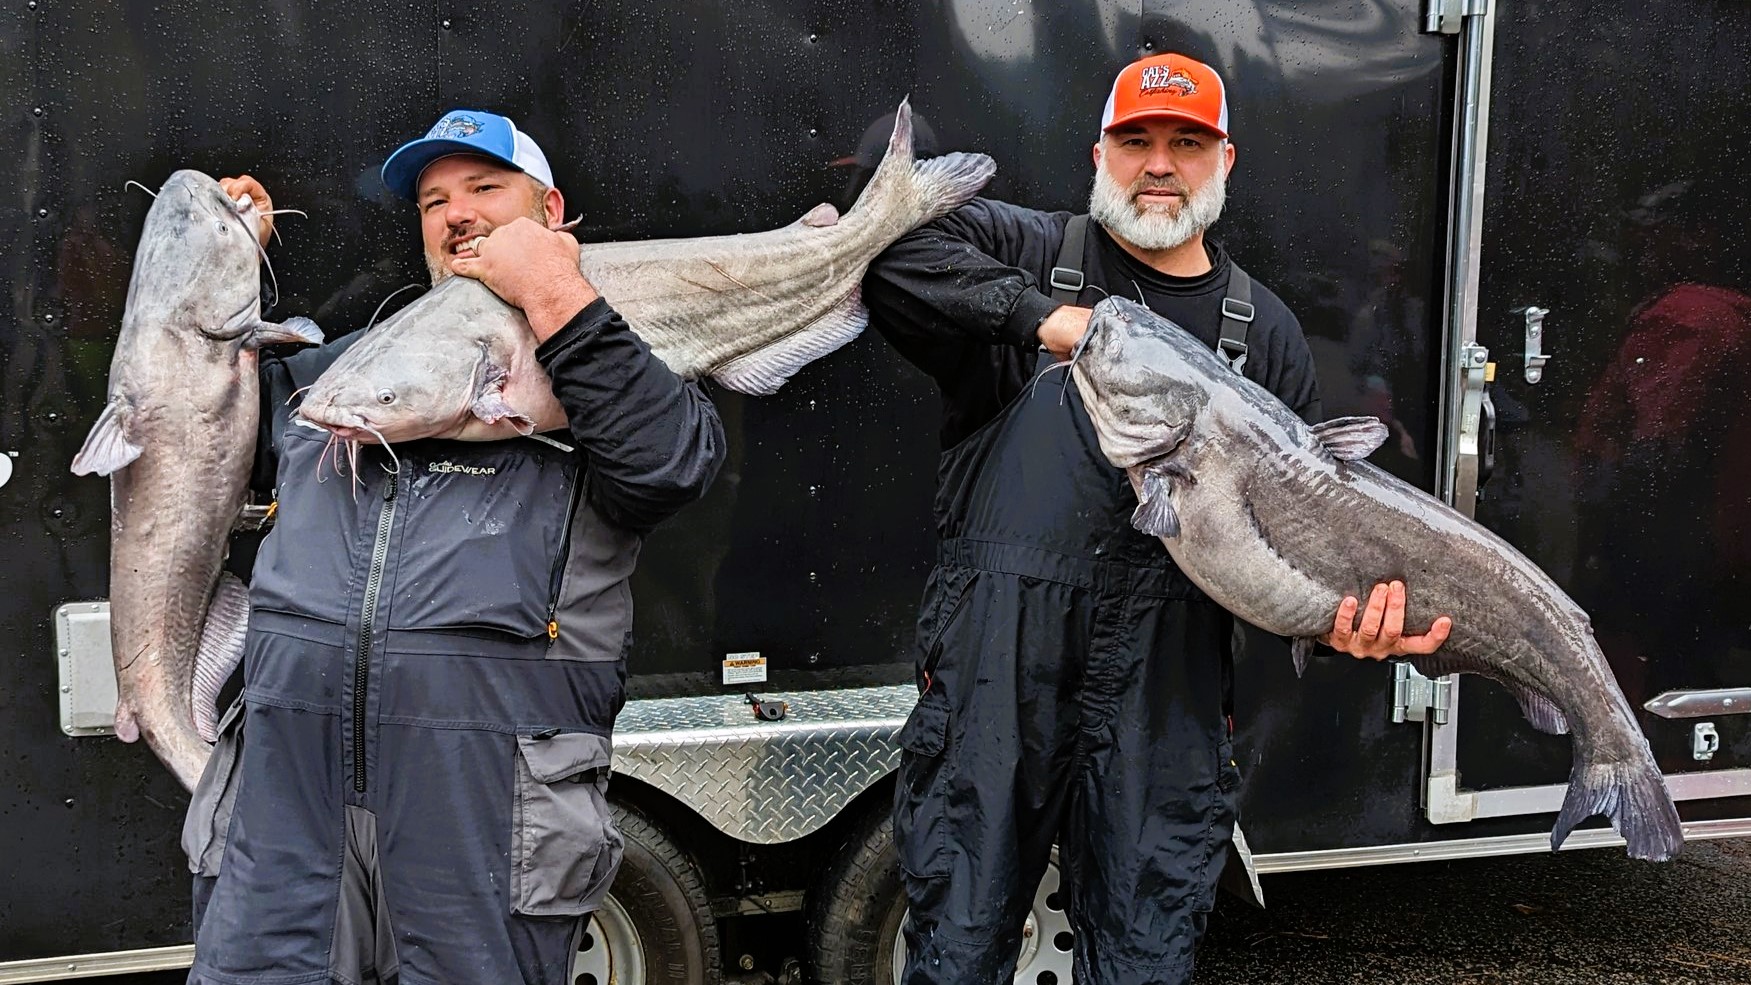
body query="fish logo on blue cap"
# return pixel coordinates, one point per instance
(463, 131)
(456, 125)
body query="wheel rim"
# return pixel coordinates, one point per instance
(610, 952)
(1046, 938)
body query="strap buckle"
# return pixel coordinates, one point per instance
(1060, 279)
(1237, 310)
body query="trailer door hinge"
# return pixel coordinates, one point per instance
(1415, 696)
(1445, 16)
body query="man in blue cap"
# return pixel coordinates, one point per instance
(411, 787)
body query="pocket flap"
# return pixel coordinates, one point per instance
(926, 729)
(565, 755)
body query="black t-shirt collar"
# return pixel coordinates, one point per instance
(1123, 267)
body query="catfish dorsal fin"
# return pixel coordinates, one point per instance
(1351, 439)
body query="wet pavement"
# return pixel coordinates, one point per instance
(1588, 917)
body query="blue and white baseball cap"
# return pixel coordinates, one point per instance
(465, 131)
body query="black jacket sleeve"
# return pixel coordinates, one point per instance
(966, 277)
(653, 440)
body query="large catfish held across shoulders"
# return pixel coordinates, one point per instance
(1278, 522)
(748, 310)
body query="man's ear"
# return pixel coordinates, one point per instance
(1095, 153)
(554, 203)
(1229, 156)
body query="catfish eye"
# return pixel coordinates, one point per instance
(385, 396)
(221, 224)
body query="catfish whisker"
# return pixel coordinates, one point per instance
(353, 461)
(385, 301)
(148, 191)
(294, 394)
(392, 456)
(1034, 387)
(323, 457)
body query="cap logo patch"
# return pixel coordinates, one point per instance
(1160, 78)
(456, 127)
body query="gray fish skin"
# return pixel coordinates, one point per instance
(177, 438)
(747, 310)
(1278, 529)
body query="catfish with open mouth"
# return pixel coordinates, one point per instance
(177, 438)
(747, 310)
(1278, 522)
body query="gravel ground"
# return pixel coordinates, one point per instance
(1589, 917)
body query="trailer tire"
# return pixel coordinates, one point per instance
(857, 908)
(658, 895)
(856, 912)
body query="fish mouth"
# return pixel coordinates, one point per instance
(347, 427)
(345, 433)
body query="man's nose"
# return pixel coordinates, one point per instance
(458, 212)
(1159, 163)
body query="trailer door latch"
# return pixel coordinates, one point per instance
(1414, 696)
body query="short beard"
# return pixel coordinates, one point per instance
(438, 264)
(1156, 227)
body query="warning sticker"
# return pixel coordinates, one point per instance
(744, 668)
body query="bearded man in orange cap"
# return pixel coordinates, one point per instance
(1075, 686)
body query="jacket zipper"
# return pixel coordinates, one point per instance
(565, 547)
(367, 618)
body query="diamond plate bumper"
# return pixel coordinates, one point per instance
(764, 782)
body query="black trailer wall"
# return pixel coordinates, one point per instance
(670, 119)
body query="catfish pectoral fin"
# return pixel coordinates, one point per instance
(107, 448)
(1155, 514)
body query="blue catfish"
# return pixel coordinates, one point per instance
(1278, 522)
(176, 439)
(747, 310)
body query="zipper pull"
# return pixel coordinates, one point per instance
(552, 630)
(389, 488)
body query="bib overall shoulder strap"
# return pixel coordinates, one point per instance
(1237, 312)
(1067, 279)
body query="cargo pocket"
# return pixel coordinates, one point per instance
(208, 823)
(564, 848)
(921, 810)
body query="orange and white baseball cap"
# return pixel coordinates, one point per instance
(1168, 86)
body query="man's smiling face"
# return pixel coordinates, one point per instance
(464, 196)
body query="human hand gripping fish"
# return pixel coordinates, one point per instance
(532, 267)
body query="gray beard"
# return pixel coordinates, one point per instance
(1155, 227)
